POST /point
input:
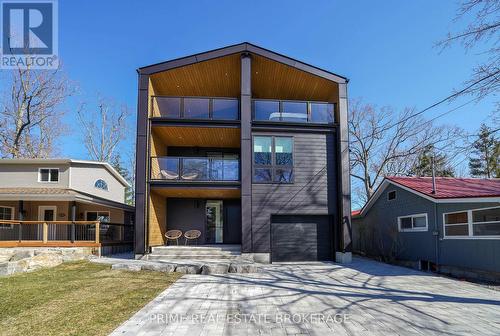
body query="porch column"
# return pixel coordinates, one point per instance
(141, 165)
(20, 212)
(73, 219)
(21, 218)
(246, 153)
(344, 185)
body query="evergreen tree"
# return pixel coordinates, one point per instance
(124, 172)
(484, 160)
(423, 166)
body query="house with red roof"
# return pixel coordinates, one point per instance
(448, 225)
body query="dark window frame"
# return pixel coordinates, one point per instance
(273, 166)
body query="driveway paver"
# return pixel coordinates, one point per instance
(361, 298)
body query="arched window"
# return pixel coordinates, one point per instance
(101, 184)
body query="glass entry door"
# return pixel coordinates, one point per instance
(214, 220)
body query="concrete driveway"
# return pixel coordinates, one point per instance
(362, 298)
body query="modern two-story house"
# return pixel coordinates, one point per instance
(60, 193)
(249, 147)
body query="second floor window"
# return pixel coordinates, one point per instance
(48, 175)
(273, 159)
(101, 184)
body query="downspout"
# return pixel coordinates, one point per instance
(436, 234)
(436, 230)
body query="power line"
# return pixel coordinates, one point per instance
(436, 104)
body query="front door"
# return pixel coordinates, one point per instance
(47, 213)
(214, 228)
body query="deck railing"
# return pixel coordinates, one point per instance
(195, 169)
(295, 111)
(63, 233)
(195, 108)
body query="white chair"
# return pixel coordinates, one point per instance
(190, 176)
(168, 175)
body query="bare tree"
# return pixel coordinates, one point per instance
(482, 31)
(103, 129)
(31, 111)
(384, 142)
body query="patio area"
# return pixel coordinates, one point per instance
(361, 298)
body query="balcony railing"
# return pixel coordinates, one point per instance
(293, 111)
(195, 108)
(197, 169)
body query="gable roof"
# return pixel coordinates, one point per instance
(106, 165)
(448, 189)
(238, 48)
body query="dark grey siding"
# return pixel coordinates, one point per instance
(481, 254)
(313, 191)
(189, 214)
(186, 214)
(377, 233)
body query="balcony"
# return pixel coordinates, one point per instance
(293, 111)
(195, 108)
(194, 169)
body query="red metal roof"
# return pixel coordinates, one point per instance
(355, 212)
(449, 187)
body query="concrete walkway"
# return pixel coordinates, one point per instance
(362, 298)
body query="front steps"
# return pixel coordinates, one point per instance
(195, 252)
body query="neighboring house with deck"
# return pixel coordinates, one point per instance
(453, 227)
(248, 147)
(65, 194)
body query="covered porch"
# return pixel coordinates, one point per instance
(214, 212)
(62, 223)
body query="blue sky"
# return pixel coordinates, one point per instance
(385, 48)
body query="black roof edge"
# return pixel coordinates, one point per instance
(236, 48)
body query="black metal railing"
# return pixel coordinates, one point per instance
(293, 111)
(195, 108)
(171, 168)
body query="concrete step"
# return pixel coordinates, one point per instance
(172, 252)
(164, 257)
(196, 250)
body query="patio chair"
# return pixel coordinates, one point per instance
(190, 176)
(173, 235)
(168, 175)
(191, 235)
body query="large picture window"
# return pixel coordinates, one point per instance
(273, 159)
(479, 223)
(6, 213)
(413, 223)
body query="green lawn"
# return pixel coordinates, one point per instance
(77, 298)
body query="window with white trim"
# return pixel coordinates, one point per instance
(411, 223)
(478, 223)
(101, 184)
(6, 213)
(48, 175)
